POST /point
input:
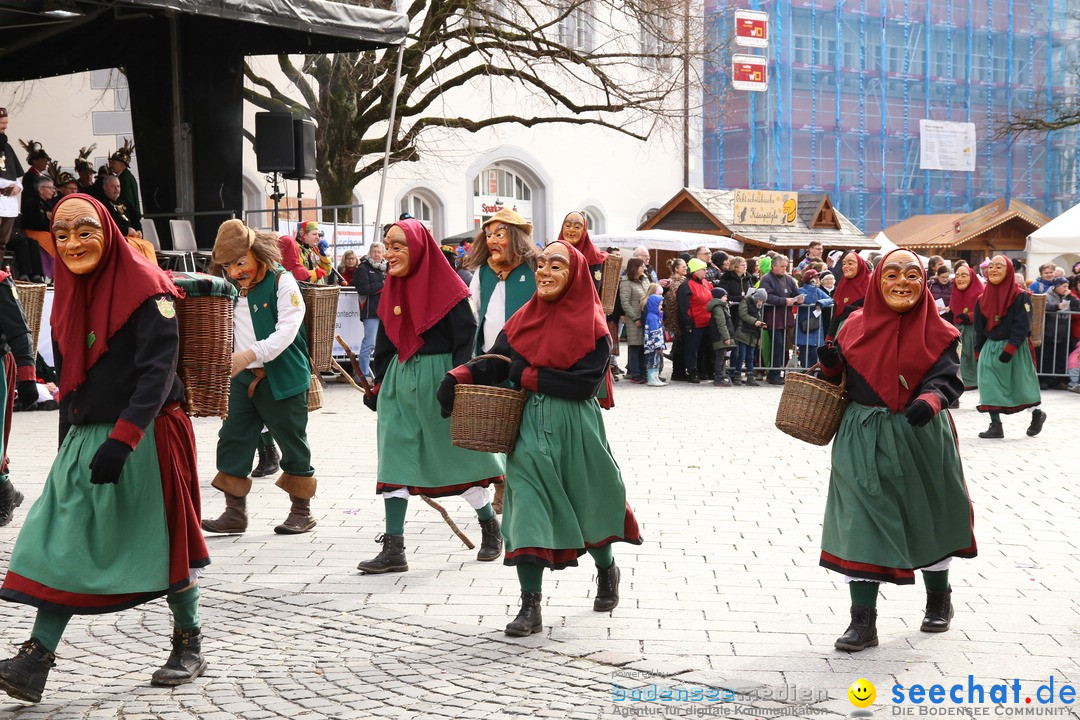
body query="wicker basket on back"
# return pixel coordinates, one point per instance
(811, 408)
(1038, 318)
(320, 318)
(315, 393)
(609, 283)
(205, 320)
(32, 299)
(486, 418)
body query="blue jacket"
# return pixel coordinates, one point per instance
(805, 333)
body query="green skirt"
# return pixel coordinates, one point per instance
(414, 439)
(564, 490)
(97, 540)
(1006, 387)
(897, 499)
(969, 372)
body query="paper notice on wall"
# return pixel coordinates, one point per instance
(946, 145)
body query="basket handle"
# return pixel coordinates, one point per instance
(843, 373)
(491, 356)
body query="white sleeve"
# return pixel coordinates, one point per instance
(290, 308)
(474, 290)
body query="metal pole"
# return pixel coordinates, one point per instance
(389, 137)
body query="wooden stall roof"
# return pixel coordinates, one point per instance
(712, 212)
(950, 230)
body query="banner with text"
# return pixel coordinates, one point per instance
(765, 207)
(946, 145)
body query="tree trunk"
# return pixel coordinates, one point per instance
(337, 189)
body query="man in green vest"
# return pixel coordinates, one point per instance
(503, 261)
(271, 374)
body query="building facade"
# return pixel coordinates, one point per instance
(849, 82)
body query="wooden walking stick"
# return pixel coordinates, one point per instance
(366, 389)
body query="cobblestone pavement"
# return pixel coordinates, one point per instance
(725, 593)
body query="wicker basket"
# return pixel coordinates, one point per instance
(314, 397)
(811, 408)
(206, 347)
(320, 318)
(609, 283)
(1038, 318)
(32, 299)
(486, 418)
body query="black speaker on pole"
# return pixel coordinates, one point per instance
(274, 142)
(303, 152)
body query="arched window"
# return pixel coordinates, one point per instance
(647, 216)
(496, 187)
(419, 208)
(595, 220)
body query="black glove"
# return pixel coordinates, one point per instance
(919, 413)
(517, 369)
(371, 400)
(108, 462)
(963, 319)
(828, 355)
(1005, 356)
(445, 395)
(28, 394)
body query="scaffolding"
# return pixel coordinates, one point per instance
(849, 81)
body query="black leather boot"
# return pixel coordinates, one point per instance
(994, 431)
(939, 611)
(1038, 417)
(268, 461)
(186, 661)
(607, 588)
(862, 632)
(692, 377)
(391, 559)
(299, 519)
(233, 521)
(23, 677)
(491, 543)
(10, 498)
(528, 620)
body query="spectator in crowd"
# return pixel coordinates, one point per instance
(967, 289)
(1073, 364)
(1007, 382)
(890, 512)
(295, 252)
(66, 184)
(783, 298)
(752, 271)
(720, 260)
(1059, 272)
(642, 253)
(1057, 334)
(10, 183)
(850, 291)
(712, 273)
(653, 313)
(454, 259)
(693, 299)
(110, 187)
(120, 166)
(932, 265)
(37, 205)
(347, 267)
(677, 267)
(38, 160)
(1041, 285)
(748, 335)
(809, 328)
(633, 289)
(85, 170)
(813, 254)
(368, 281)
(503, 261)
(827, 282)
(736, 280)
(941, 287)
(723, 335)
(1076, 268)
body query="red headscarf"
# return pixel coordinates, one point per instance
(962, 302)
(100, 302)
(558, 334)
(585, 247)
(997, 299)
(413, 304)
(890, 350)
(849, 291)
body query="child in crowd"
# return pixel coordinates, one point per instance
(652, 314)
(748, 335)
(723, 334)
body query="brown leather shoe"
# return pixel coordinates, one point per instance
(233, 521)
(299, 519)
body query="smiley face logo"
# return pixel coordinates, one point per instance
(862, 693)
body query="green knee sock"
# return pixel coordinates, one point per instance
(530, 577)
(395, 515)
(603, 557)
(938, 580)
(863, 593)
(485, 513)
(995, 417)
(267, 440)
(185, 608)
(49, 628)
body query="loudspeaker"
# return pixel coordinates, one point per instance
(274, 143)
(303, 151)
